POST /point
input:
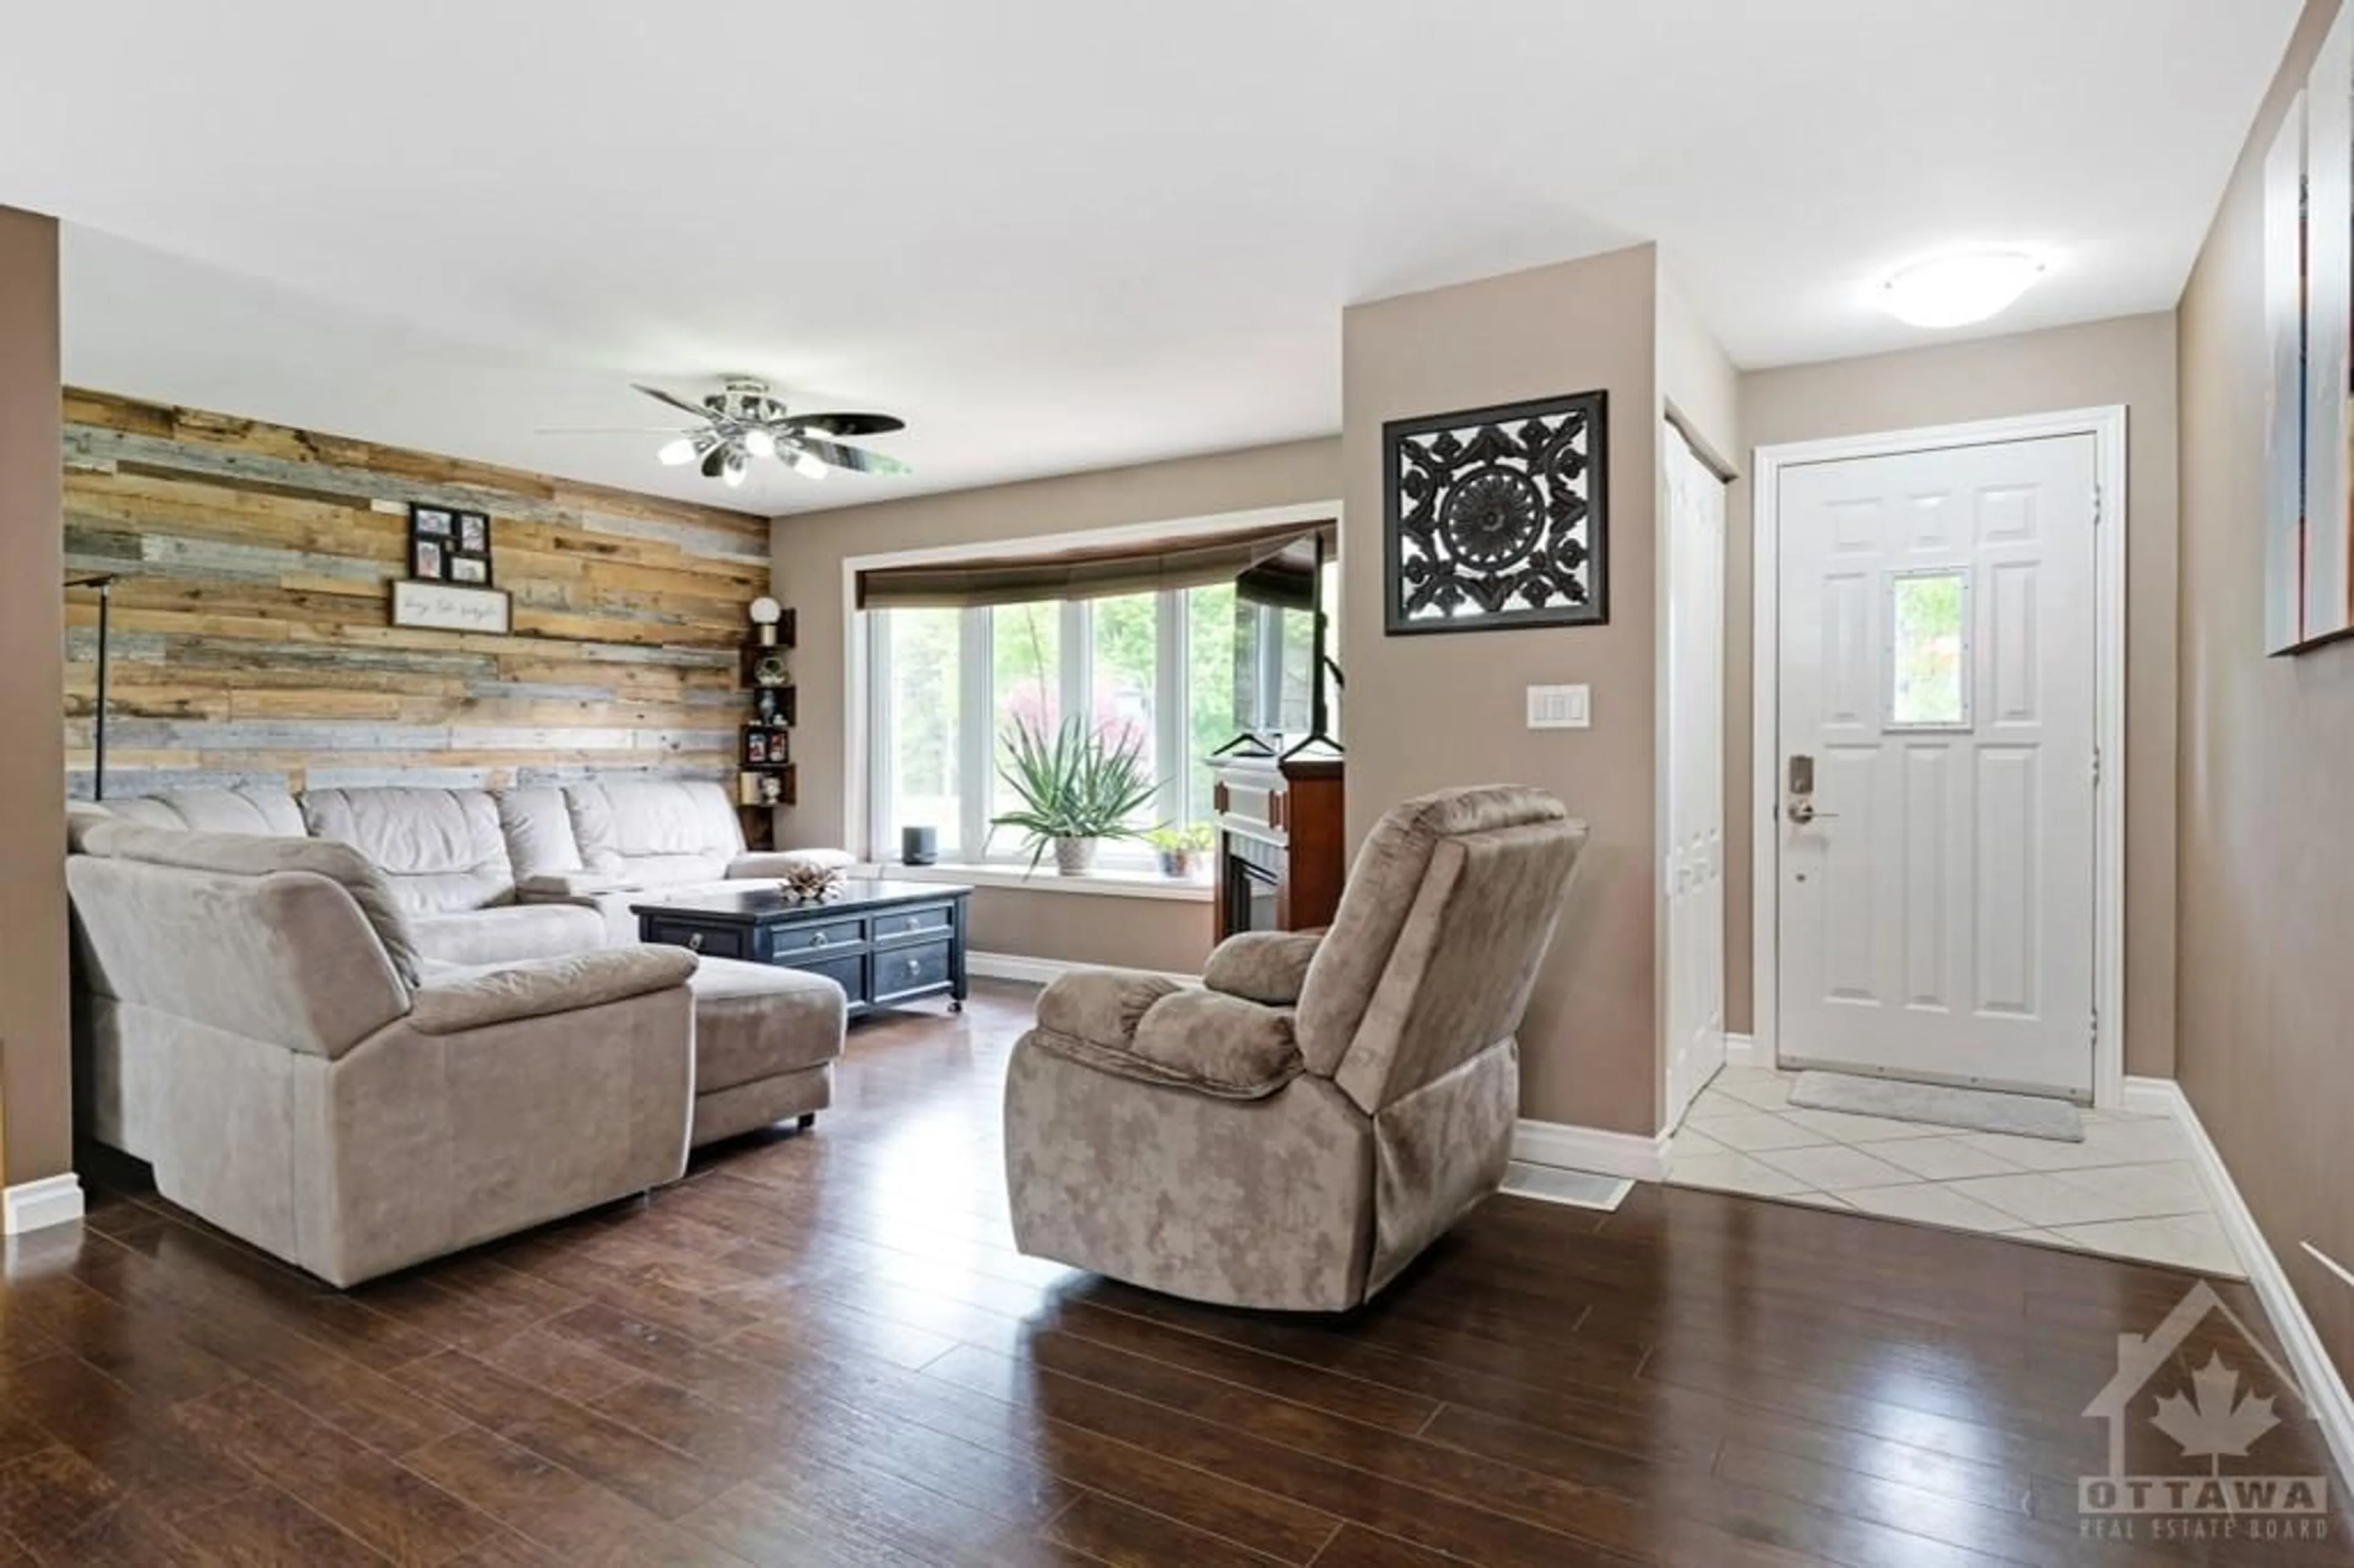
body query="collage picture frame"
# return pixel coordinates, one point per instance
(448, 544)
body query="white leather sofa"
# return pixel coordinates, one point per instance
(540, 872)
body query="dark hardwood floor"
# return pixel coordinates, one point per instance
(823, 1349)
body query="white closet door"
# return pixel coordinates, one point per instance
(1692, 873)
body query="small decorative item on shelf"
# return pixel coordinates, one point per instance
(769, 789)
(767, 615)
(1178, 847)
(767, 747)
(813, 883)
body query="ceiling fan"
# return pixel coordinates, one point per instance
(744, 420)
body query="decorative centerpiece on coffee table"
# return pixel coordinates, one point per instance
(813, 883)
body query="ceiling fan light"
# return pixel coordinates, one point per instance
(678, 453)
(759, 442)
(808, 464)
(734, 469)
(1960, 289)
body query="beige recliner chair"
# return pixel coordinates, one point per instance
(1293, 1133)
(253, 1022)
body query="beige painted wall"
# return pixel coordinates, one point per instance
(2264, 991)
(2128, 361)
(35, 1077)
(808, 550)
(1451, 708)
(1078, 928)
(1697, 382)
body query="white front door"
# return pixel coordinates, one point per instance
(1937, 702)
(1692, 565)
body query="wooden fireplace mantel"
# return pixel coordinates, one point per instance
(1280, 860)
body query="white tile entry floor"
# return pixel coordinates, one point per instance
(2128, 1191)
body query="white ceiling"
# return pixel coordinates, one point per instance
(1052, 234)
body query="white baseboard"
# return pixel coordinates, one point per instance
(37, 1206)
(1046, 971)
(1567, 1147)
(1741, 1051)
(2155, 1096)
(2325, 1391)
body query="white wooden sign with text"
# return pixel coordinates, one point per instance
(446, 607)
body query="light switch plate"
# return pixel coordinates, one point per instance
(1560, 707)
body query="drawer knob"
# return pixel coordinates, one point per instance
(694, 942)
(819, 939)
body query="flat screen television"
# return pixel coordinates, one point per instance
(1283, 679)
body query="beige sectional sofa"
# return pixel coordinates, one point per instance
(362, 1027)
(533, 872)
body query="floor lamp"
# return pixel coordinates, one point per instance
(105, 586)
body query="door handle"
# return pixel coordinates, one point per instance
(1801, 809)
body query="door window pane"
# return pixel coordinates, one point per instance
(922, 744)
(1929, 650)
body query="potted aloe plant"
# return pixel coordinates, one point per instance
(1078, 787)
(1177, 847)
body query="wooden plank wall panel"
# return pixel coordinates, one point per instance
(252, 640)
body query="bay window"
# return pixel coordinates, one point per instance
(944, 685)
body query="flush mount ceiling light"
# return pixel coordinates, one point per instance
(744, 421)
(1957, 290)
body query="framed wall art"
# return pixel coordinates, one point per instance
(2308, 243)
(446, 545)
(446, 607)
(1498, 517)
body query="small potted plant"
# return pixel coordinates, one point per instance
(1177, 847)
(1078, 787)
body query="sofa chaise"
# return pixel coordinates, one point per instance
(255, 1020)
(1294, 1133)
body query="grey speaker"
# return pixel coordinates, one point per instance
(920, 846)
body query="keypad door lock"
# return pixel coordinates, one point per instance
(1801, 807)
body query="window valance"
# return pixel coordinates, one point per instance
(1150, 565)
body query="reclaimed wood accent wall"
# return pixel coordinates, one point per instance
(251, 626)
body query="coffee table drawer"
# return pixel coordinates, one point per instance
(901, 971)
(849, 972)
(795, 942)
(719, 942)
(906, 925)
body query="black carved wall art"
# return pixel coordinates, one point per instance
(1498, 517)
